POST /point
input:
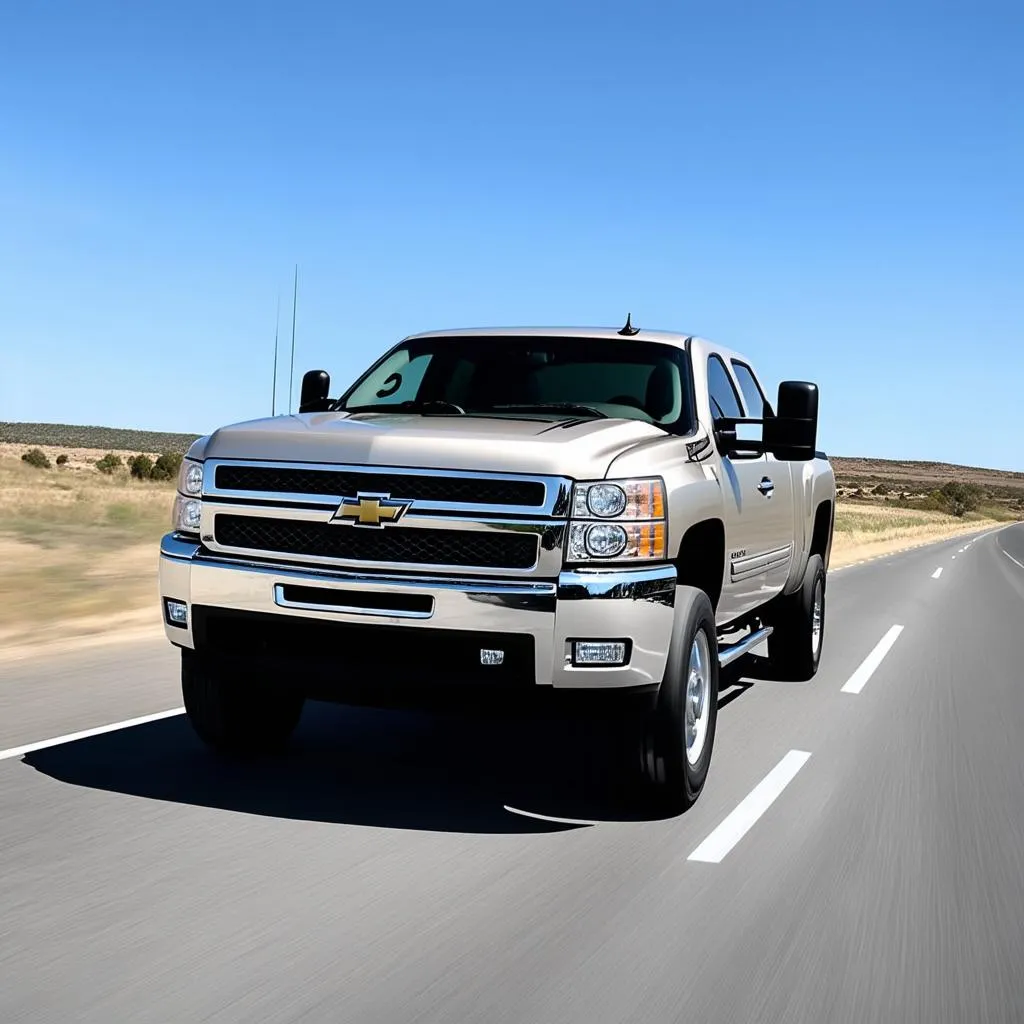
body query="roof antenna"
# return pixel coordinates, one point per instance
(629, 330)
(277, 329)
(291, 376)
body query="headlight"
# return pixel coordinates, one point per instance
(623, 499)
(188, 510)
(187, 514)
(190, 477)
(605, 500)
(630, 522)
(596, 541)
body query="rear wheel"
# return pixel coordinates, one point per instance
(798, 621)
(680, 733)
(234, 712)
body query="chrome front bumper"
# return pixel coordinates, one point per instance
(593, 604)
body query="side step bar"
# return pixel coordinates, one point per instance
(727, 655)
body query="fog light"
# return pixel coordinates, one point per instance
(177, 613)
(599, 652)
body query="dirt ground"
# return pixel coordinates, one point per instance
(78, 550)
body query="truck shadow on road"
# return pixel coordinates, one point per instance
(388, 769)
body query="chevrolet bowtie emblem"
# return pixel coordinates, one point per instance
(376, 510)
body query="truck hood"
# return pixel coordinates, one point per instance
(582, 449)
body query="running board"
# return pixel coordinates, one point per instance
(727, 655)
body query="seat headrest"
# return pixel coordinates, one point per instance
(662, 389)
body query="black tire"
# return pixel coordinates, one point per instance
(793, 654)
(234, 712)
(673, 781)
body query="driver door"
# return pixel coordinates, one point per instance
(757, 501)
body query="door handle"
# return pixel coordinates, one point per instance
(766, 487)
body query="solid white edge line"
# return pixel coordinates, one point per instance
(743, 817)
(937, 573)
(549, 817)
(85, 734)
(867, 667)
(1011, 558)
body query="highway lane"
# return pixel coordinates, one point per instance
(72, 691)
(374, 874)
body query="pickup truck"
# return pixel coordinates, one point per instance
(509, 511)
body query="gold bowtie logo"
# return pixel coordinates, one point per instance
(377, 510)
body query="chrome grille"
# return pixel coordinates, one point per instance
(397, 545)
(341, 482)
(457, 520)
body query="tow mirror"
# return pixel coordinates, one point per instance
(315, 387)
(792, 434)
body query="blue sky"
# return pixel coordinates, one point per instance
(834, 189)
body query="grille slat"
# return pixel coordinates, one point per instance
(346, 483)
(483, 549)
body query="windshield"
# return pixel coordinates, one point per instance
(532, 377)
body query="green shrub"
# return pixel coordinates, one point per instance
(882, 489)
(166, 466)
(961, 498)
(109, 463)
(36, 457)
(62, 460)
(141, 467)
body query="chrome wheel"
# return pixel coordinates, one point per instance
(816, 618)
(698, 693)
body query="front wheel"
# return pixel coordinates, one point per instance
(234, 712)
(680, 735)
(798, 621)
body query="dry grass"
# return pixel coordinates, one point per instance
(78, 549)
(864, 531)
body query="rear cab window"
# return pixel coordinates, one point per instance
(758, 407)
(725, 402)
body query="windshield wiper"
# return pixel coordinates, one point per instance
(572, 408)
(433, 406)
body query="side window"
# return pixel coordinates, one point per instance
(721, 390)
(758, 407)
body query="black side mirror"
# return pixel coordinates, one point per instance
(792, 434)
(315, 386)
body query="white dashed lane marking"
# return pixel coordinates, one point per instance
(937, 573)
(1011, 558)
(868, 666)
(739, 822)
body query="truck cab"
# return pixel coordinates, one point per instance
(510, 511)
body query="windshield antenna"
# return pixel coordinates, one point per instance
(629, 330)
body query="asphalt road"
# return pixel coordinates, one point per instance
(375, 874)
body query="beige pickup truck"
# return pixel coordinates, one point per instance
(505, 512)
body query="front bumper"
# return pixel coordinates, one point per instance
(635, 605)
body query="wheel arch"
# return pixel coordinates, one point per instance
(700, 560)
(824, 526)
